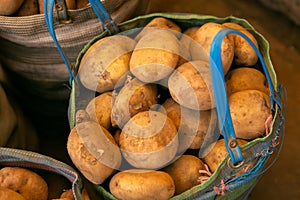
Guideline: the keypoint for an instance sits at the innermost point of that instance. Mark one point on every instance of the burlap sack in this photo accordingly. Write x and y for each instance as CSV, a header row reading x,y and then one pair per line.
x,y
37,71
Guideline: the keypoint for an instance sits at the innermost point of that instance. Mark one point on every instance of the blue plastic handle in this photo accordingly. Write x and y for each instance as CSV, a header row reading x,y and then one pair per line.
x,y
101,13
219,88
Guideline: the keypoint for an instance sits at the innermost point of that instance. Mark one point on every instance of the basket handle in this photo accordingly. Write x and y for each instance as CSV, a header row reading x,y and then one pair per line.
x,y
220,96
99,10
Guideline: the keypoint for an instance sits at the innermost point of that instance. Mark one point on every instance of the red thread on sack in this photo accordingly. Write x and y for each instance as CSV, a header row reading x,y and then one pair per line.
x,y
223,188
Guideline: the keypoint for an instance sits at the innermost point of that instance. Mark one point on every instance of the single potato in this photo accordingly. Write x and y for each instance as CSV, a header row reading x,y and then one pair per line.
x,y
135,96
106,63
204,36
8,194
29,7
99,109
244,54
27,183
190,86
93,151
159,23
185,172
246,78
194,127
137,184
149,140
155,56
9,7
249,110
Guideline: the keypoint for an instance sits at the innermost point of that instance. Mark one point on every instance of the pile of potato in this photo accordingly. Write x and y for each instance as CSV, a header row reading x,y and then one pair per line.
x,y
153,107
33,7
17,183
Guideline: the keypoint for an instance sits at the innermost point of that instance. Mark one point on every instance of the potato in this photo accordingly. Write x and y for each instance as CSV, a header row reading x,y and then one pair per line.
x,y
68,194
204,36
81,3
244,54
137,184
246,78
27,183
249,110
149,140
159,23
93,151
185,172
105,63
217,153
194,127
155,56
134,97
29,7
185,42
9,7
99,109
190,86
8,194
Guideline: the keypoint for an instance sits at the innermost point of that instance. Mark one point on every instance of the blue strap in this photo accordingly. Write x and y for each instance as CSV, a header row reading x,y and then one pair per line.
x,y
48,12
219,88
101,13
104,17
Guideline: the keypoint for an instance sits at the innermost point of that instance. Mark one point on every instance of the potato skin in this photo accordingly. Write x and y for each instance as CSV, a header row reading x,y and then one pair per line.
x,y
149,140
249,109
193,126
99,109
95,169
205,35
105,63
190,86
136,184
155,56
135,96
26,182
246,78
244,54
29,7
8,194
185,172
159,23
9,7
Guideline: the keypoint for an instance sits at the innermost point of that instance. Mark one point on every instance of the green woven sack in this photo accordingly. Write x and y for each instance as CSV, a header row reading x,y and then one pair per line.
x,y
224,182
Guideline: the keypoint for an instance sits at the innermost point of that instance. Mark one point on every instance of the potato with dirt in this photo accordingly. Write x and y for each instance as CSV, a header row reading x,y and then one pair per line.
x,y
159,23
93,151
149,140
105,64
246,78
204,36
138,184
9,7
135,96
190,85
24,181
249,110
244,54
99,109
185,171
194,127
155,56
